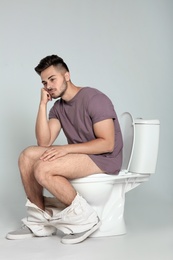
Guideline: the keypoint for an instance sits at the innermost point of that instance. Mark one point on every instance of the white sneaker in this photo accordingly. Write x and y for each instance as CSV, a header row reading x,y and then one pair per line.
x,y
79,237
23,232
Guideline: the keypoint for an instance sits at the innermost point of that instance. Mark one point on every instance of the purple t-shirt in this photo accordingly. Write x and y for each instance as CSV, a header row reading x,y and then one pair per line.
x,y
77,118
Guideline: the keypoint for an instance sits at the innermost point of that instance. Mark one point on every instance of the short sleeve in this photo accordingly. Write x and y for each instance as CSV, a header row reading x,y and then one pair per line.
x,y
100,108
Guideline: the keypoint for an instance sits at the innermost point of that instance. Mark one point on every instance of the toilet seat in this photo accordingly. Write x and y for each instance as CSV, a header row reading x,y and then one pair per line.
x,y
103,177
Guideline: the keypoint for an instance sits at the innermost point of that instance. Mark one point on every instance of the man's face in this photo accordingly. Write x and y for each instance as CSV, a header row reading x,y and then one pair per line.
x,y
54,81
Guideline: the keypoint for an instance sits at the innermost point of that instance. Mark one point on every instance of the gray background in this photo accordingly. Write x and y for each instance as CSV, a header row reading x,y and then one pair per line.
x,y
122,47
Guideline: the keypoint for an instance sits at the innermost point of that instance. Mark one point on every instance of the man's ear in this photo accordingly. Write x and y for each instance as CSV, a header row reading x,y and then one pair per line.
x,y
67,76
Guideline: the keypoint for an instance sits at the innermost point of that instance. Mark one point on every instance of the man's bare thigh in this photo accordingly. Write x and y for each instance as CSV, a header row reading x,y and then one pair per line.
x,y
70,166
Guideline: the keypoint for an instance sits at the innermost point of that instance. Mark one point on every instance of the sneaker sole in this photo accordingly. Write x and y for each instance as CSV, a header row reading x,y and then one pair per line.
x,y
79,237
17,237
25,236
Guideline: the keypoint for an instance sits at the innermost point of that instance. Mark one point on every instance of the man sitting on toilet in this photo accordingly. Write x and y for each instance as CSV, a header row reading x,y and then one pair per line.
x,y
90,124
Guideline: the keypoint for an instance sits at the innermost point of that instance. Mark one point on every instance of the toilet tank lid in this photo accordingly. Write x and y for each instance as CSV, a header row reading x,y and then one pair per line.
x,y
146,122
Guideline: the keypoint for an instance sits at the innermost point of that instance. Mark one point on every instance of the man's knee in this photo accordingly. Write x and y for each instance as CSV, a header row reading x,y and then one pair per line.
x,y
41,173
30,153
27,158
24,154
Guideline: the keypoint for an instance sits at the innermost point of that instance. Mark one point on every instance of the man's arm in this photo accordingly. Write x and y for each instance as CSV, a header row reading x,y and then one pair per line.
x,y
46,131
104,143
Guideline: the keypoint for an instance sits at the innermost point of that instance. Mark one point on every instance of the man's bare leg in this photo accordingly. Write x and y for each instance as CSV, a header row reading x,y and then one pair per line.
x,y
33,190
53,175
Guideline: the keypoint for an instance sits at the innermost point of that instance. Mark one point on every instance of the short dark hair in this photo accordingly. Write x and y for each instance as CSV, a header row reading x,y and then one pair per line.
x,y
50,60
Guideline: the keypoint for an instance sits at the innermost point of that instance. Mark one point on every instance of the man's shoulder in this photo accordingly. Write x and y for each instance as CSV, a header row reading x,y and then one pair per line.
x,y
90,91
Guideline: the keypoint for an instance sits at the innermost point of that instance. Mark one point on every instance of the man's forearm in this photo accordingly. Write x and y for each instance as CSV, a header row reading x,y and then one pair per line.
x,y
42,128
97,146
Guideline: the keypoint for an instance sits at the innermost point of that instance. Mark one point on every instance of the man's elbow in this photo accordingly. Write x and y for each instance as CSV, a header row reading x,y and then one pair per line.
x,y
110,147
43,144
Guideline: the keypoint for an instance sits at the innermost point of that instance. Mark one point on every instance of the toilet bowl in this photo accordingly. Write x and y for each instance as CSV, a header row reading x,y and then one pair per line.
x,y
106,193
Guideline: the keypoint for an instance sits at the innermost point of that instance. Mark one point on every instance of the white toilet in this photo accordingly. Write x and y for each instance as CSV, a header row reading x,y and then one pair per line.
x,y
106,193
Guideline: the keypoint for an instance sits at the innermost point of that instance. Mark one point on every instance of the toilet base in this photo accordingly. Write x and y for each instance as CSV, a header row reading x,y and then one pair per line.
x,y
107,231
108,200
112,215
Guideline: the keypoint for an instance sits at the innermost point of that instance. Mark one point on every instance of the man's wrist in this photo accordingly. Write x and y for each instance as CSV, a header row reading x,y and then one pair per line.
x,y
42,104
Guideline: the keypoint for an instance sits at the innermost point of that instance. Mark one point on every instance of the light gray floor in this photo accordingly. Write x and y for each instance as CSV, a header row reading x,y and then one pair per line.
x,y
149,236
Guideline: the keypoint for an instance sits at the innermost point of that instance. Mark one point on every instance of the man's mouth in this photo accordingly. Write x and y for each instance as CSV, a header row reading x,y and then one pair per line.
x,y
51,92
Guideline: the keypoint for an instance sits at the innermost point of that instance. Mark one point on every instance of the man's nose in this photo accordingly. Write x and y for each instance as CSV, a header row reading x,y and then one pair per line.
x,y
49,88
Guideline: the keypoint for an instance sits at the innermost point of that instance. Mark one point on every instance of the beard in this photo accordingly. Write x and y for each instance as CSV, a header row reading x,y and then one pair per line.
x,y
62,91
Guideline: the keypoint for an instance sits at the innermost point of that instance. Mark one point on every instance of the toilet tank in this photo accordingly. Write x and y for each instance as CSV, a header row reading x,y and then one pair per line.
x,y
146,144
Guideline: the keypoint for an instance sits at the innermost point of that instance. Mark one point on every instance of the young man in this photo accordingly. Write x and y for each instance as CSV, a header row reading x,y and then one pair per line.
x,y
91,127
